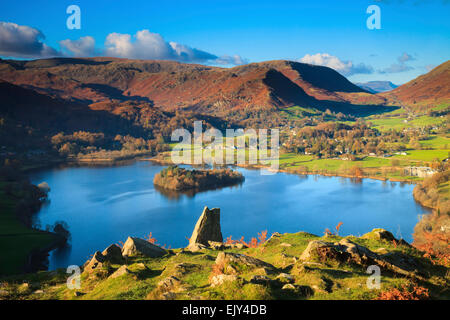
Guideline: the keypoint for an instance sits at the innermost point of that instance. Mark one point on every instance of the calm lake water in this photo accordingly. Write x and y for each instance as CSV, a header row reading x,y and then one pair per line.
x,y
105,205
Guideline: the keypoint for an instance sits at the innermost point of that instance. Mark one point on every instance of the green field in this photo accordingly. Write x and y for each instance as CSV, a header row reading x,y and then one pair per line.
x,y
16,240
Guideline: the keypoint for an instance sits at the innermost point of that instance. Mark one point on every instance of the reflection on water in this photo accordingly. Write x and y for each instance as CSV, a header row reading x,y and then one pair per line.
x,y
176,195
105,205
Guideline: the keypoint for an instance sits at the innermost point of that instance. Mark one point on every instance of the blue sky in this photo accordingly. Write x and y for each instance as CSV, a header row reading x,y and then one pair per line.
x,y
414,35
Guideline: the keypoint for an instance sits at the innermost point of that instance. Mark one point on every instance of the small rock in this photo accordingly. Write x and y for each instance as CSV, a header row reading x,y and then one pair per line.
x,y
264,271
194,247
215,245
221,278
225,258
141,247
169,295
120,272
284,244
379,234
238,246
258,279
286,278
288,286
169,284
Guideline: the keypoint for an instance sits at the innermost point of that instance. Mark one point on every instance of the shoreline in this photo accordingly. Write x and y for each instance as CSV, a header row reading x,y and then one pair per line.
x,y
297,172
99,162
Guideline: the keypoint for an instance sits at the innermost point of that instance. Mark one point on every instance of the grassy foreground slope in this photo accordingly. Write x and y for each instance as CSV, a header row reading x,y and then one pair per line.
x,y
182,274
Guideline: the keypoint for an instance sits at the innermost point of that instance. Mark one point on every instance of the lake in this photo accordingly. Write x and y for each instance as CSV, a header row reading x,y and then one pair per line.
x,y
105,205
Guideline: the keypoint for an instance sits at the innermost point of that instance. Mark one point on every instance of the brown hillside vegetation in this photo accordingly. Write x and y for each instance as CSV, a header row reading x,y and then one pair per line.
x,y
174,86
429,89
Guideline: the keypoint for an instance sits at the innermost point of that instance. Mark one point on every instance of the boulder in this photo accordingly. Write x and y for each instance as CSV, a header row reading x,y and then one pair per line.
x,y
236,259
207,228
96,263
215,245
222,278
120,272
320,251
288,286
285,278
305,291
260,279
171,283
195,247
113,254
140,247
345,251
379,234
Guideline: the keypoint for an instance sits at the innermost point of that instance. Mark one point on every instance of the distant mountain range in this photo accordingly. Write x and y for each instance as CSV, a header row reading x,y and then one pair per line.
x,y
377,86
430,89
172,86
111,92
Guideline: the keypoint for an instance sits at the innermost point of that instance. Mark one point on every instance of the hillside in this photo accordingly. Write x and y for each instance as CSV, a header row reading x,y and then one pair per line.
x,y
377,86
286,266
171,86
428,90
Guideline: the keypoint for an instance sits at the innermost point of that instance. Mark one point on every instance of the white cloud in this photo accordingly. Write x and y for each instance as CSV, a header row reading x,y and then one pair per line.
x,y
396,68
233,60
83,47
405,57
148,45
347,68
23,41
401,66
26,42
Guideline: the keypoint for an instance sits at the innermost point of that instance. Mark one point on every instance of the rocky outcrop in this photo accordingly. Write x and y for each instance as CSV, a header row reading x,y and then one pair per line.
x,y
140,247
345,251
111,255
207,228
96,263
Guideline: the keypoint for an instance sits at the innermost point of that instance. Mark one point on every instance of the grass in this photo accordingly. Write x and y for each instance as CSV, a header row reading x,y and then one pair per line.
x,y
16,240
400,123
328,281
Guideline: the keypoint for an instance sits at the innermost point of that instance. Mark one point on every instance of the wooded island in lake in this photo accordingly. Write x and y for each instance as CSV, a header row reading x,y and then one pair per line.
x,y
180,179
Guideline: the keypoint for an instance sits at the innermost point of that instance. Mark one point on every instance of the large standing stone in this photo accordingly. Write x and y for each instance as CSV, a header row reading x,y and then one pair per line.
x,y
140,247
207,228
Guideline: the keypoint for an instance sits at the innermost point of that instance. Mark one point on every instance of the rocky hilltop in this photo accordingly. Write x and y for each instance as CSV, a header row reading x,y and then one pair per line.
x,y
286,266
170,86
